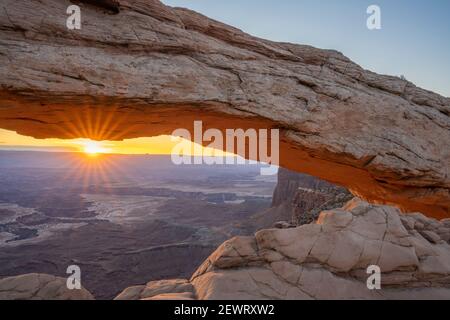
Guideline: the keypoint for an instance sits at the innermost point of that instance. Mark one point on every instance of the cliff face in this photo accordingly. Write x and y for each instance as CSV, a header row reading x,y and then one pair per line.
x,y
304,196
136,63
290,182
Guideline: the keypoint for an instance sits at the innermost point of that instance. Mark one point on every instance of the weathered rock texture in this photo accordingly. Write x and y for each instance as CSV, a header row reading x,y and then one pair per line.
x,y
139,68
306,196
36,286
178,289
297,199
329,259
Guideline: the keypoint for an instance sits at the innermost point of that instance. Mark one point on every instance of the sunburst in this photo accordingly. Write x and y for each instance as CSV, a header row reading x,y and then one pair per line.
x,y
94,148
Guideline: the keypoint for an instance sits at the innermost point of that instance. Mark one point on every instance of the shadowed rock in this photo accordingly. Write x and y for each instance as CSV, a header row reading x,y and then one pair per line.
x,y
178,289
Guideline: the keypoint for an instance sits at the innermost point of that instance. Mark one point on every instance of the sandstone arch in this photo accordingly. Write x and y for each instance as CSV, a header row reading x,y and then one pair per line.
x,y
144,63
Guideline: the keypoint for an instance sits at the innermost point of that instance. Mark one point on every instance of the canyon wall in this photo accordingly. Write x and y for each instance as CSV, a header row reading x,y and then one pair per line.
x,y
298,199
327,259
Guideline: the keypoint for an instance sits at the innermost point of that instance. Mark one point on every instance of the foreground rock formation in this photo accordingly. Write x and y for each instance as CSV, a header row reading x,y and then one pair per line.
x,y
136,64
325,260
177,289
36,286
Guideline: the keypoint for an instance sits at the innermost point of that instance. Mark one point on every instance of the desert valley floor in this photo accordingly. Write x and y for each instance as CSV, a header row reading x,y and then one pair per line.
x,y
126,220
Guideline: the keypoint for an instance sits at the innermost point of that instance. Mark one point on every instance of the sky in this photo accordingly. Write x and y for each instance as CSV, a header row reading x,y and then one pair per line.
x,y
10,140
414,41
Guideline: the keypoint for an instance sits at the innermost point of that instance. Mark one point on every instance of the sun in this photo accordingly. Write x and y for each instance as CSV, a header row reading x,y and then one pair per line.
x,y
93,148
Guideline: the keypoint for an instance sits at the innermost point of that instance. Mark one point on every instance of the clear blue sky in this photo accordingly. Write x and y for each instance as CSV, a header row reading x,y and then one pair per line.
x,y
414,40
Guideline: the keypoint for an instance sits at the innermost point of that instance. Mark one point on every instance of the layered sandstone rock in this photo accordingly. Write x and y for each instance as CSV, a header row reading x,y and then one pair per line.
x,y
298,199
139,68
329,259
36,286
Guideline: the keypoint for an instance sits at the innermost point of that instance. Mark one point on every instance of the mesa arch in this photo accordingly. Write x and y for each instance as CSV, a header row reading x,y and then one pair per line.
x,y
140,68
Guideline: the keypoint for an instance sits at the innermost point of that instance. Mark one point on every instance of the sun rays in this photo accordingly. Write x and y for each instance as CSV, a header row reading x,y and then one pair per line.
x,y
99,129
94,148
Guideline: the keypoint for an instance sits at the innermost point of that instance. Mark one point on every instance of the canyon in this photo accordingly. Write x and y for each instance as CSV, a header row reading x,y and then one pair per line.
x,y
140,69
327,259
121,219
147,62
148,220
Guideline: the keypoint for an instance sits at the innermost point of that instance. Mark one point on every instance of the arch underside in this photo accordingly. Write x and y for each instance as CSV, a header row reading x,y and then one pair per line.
x,y
149,69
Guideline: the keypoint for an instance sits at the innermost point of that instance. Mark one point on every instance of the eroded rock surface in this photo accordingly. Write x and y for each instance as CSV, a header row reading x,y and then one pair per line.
x,y
329,259
306,197
36,286
297,199
140,68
